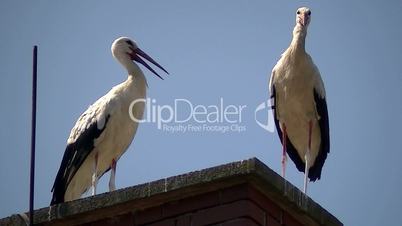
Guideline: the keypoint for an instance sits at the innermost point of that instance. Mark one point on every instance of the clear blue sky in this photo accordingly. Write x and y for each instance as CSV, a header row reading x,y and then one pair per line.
x,y
212,49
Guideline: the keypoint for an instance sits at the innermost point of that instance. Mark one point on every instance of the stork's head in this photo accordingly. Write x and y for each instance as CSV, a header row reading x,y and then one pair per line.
x,y
126,50
303,17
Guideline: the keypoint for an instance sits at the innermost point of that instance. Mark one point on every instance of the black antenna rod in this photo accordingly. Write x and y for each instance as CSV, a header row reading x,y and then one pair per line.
x,y
33,135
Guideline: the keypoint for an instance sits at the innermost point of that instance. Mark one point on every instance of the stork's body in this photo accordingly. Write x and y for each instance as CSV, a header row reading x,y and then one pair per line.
x,y
116,128
104,131
300,113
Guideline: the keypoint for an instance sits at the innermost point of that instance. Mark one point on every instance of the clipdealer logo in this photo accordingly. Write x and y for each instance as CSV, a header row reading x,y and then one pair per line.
x,y
183,116
267,108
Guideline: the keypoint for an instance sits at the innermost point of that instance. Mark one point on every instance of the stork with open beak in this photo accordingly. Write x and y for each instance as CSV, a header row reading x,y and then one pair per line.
x,y
105,130
300,107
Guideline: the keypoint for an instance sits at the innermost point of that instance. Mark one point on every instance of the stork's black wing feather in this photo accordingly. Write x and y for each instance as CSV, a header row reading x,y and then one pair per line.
x,y
321,106
74,155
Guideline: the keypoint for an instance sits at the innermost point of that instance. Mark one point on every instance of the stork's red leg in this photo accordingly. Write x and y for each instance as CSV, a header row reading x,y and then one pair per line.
x,y
310,128
307,156
284,138
94,177
112,185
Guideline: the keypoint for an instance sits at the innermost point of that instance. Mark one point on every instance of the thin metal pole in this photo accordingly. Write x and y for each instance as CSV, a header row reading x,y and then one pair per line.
x,y
33,135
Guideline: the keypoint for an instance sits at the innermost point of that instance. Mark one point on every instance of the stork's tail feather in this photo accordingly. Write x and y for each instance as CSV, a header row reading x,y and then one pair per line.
x,y
57,199
58,193
315,170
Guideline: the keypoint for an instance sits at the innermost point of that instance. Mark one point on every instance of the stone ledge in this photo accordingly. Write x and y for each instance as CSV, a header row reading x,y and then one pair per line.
x,y
143,196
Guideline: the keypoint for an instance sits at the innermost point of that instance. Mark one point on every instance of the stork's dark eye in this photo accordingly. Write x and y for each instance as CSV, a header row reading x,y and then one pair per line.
x,y
130,42
309,13
298,12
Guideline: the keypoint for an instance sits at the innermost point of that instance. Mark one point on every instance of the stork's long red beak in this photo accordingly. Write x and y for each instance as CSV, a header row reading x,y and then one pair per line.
x,y
136,57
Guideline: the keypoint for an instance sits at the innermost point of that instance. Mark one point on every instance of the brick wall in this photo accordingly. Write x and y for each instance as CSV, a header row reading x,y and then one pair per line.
x,y
235,194
241,205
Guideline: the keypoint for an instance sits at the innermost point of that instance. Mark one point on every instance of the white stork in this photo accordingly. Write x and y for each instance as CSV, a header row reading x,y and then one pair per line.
x,y
105,130
300,109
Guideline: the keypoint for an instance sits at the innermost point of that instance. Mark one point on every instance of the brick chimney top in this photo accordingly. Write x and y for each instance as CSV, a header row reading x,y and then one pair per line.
x,y
239,193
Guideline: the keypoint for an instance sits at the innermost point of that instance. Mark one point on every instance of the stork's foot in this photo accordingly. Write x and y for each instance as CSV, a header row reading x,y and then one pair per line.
x,y
284,156
94,185
94,176
307,157
284,161
306,172
112,184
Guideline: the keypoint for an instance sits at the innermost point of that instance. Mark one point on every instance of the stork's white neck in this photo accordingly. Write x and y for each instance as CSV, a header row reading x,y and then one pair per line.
x,y
299,38
131,67
133,70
